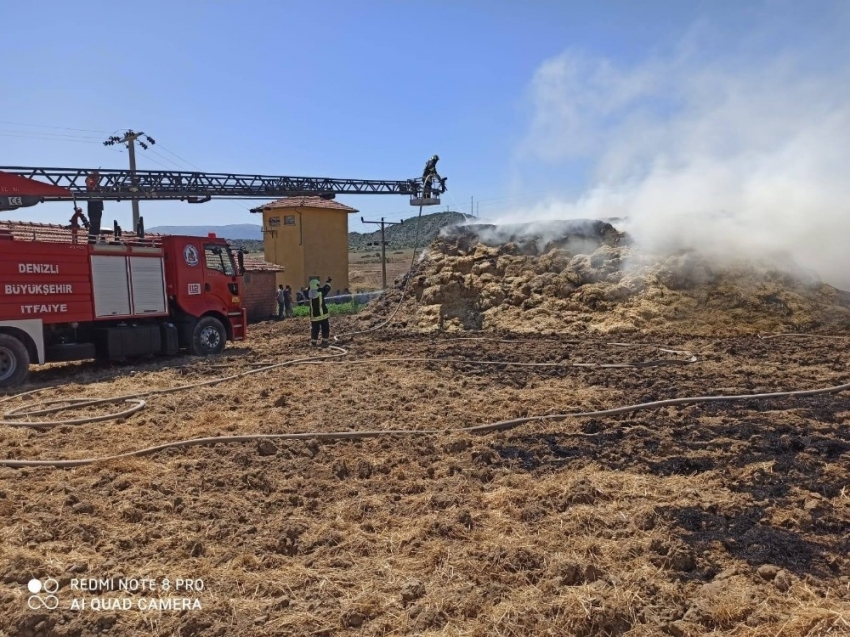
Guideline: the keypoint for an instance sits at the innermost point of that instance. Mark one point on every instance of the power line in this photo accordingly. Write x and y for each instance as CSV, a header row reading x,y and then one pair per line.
x,y
179,157
187,162
519,196
58,135
39,137
159,163
170,161
80,130
112,133
504,204
242,207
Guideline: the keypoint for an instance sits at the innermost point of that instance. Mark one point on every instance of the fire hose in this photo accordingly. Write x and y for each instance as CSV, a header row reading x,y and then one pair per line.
x,y
137,402
13,418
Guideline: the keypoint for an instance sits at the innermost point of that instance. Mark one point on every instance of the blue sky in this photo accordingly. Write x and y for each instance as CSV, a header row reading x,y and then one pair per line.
x,y
342,89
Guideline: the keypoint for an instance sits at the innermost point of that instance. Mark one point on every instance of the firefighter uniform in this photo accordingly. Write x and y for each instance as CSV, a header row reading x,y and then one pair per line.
x,y
319,314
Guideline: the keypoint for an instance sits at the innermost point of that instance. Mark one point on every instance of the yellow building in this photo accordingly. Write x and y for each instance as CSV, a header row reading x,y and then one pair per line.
x,y
308,236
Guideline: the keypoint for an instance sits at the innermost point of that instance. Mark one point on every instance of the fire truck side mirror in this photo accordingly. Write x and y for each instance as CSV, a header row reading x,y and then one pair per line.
x,y
240,260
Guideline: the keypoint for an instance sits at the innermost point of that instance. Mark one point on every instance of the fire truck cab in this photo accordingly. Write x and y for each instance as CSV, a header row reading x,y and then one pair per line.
x,y
114,299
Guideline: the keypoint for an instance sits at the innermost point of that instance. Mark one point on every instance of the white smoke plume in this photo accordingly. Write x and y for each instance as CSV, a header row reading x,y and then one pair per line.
x,y
743,157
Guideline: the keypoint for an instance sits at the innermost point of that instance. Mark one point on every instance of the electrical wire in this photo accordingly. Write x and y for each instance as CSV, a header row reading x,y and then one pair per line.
x,y
47,139
51,135
183,168
178,157
81,130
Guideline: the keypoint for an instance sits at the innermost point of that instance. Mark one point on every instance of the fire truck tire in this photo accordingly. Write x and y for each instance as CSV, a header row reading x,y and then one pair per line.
x,y
14,361
208,337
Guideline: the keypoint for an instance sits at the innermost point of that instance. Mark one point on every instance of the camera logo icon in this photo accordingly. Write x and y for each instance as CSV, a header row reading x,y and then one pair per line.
x,y
48,601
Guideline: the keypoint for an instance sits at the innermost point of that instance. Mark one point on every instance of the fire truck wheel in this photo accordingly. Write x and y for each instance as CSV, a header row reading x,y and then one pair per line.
x,y
14,361
208,337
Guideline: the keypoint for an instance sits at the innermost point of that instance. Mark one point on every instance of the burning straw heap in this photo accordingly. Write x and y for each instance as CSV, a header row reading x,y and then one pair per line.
x,y
585,276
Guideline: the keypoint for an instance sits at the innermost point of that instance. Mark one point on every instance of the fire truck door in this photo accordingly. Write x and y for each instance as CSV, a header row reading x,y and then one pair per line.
x,y
219,275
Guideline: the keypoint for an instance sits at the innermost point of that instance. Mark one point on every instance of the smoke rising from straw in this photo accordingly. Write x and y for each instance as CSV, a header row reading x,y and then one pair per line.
x,y
731,158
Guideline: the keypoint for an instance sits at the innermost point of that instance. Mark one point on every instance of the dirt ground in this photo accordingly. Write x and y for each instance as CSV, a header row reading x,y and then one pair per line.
x,y
722,519
725,518
364,268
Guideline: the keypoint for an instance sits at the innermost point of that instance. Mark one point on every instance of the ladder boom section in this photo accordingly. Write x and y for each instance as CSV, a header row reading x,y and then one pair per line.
x,y
105,184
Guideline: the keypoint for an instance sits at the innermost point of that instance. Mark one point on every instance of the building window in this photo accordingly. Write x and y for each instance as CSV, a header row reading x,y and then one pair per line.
x,y
274,222
289,220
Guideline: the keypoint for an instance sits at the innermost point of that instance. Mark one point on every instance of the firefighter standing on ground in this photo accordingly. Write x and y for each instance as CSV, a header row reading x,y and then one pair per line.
x,y
319,311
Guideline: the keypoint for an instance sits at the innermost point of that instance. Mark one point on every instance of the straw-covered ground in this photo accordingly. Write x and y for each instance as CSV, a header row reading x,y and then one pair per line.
x,y
721,518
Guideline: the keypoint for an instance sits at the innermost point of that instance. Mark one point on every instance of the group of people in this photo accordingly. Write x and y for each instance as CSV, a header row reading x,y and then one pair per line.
x,y
316,298
284,302
302,296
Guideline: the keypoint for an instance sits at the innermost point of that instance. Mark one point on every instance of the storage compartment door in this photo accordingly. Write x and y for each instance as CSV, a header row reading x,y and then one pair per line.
x,y
148,277
111,284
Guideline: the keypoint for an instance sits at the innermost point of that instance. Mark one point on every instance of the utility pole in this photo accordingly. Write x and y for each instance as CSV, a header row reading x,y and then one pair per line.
x,y
130,138
383,247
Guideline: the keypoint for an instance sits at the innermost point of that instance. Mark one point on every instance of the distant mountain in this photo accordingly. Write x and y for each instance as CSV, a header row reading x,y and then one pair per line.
x,y
405,235
233,231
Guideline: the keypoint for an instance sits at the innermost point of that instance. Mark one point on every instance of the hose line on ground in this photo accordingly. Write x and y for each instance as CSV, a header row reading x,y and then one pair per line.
x,y
13,418
359,435
66,404
767,337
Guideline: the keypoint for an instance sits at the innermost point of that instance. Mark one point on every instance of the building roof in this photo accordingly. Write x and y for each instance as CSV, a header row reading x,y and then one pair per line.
x,y
305,202
258,264
55,233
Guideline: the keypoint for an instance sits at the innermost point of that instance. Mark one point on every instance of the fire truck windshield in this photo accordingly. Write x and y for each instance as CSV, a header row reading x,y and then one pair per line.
x,y
219,258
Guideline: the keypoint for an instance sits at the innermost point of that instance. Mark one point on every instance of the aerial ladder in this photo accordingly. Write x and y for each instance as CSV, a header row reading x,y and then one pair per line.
x,y
28,186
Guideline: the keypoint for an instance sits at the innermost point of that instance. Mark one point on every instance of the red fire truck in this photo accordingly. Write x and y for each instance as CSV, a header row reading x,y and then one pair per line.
x,y
115,299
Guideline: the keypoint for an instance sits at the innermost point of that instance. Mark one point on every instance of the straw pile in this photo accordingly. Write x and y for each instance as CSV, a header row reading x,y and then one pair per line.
x,y
585,277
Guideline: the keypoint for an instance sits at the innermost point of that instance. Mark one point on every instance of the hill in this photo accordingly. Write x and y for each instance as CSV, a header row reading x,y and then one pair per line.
x,y
427,228
232,231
